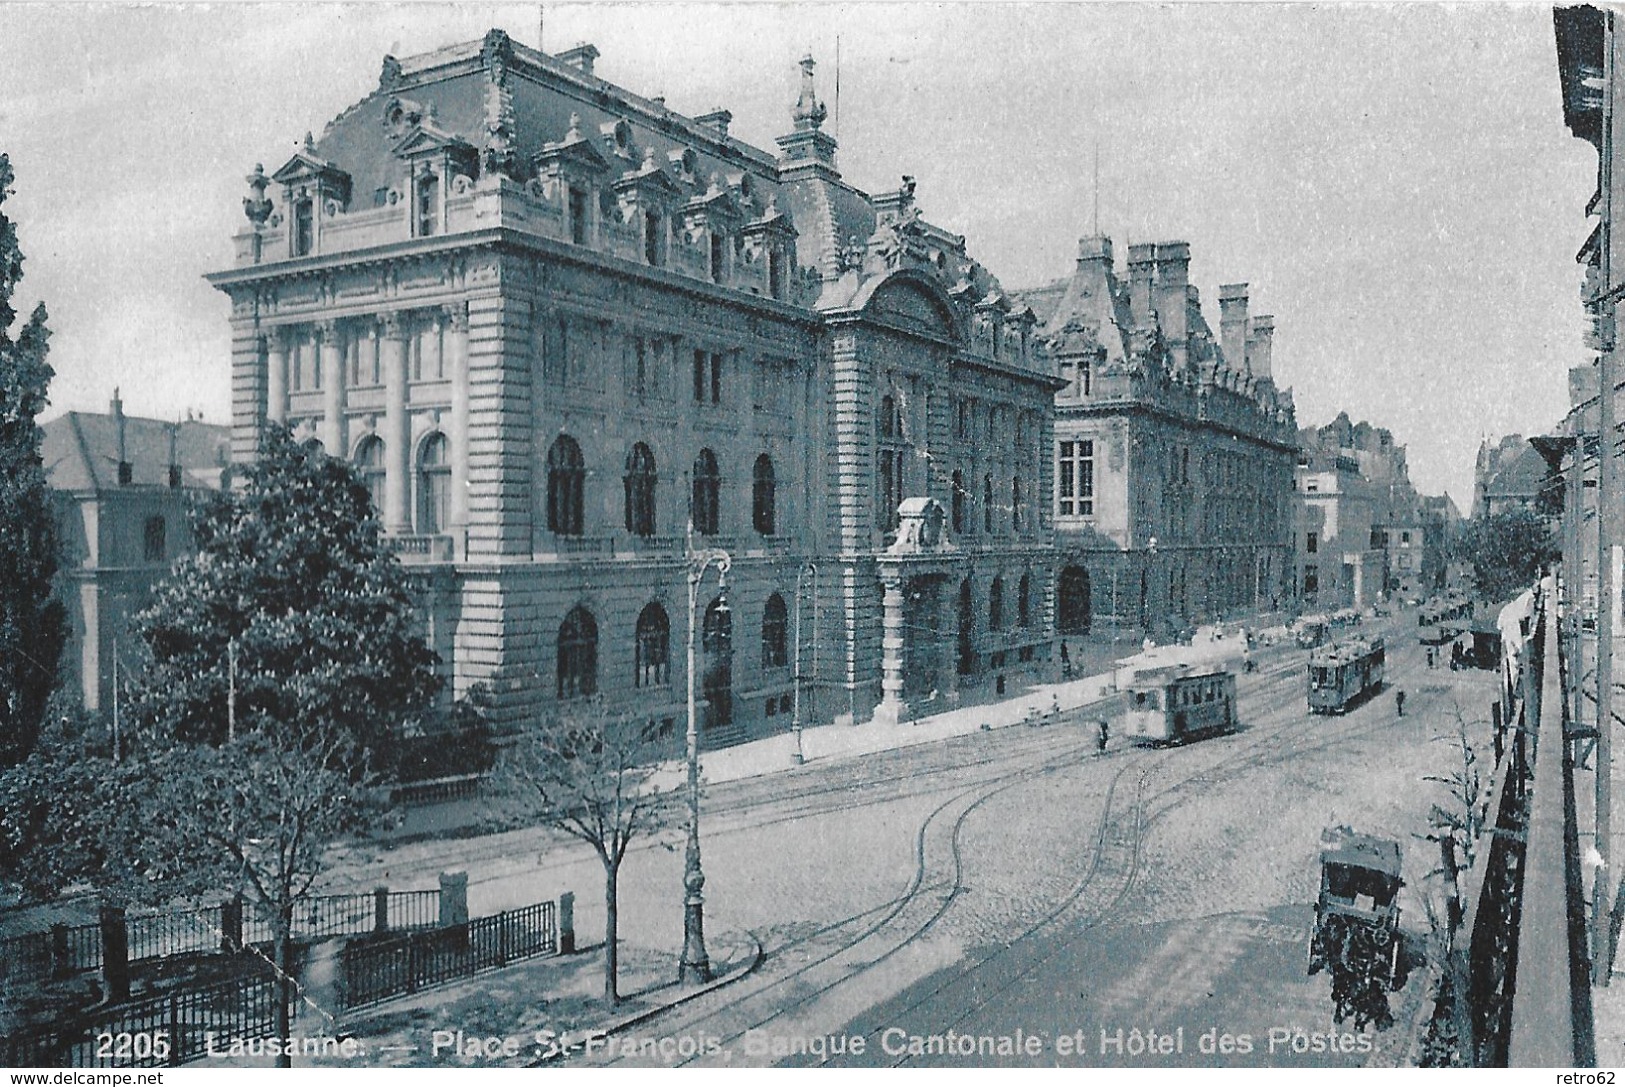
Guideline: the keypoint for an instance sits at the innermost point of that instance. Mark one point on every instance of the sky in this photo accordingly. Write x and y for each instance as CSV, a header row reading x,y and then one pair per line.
x,y
1395,182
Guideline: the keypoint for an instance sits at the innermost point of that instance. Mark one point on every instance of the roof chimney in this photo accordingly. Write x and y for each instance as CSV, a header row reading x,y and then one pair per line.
x,y
1094,249
1233,326
1140,271
1258,358
118,429
1173,269
581,57
174,460
718,119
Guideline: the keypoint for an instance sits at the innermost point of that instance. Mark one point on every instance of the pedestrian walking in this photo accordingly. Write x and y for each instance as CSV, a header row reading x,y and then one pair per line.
x,y
1105,735
1399,702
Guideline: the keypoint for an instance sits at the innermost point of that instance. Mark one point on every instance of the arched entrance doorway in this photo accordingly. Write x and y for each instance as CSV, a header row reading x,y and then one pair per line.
x,y
1074,604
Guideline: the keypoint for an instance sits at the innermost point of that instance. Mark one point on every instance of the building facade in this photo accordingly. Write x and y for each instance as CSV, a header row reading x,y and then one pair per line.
x,y
571,338
121,489
1339,563
1173,449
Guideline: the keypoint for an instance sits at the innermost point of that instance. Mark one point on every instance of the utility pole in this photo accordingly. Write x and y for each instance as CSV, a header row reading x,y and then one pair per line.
x,y
1608,487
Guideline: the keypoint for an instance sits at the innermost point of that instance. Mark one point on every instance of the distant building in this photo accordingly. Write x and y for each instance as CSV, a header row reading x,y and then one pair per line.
x,y
121,488
571,336
1507,476
1340,560
1173,449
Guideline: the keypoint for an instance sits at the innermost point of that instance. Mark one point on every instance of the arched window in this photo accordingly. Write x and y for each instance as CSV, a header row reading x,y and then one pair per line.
x,y
1024,601
640,491
959,503
434,486
428,204
1015,504
369,459
1073,602
304,227
652,660
762,495
566,481
775,651
717,680
995,604
152,539
987,504
578,654
707,486
967,630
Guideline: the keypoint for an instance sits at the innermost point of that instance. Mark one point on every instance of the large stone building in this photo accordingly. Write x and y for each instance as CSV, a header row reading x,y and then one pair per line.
x,y
1508,475
1174,449
558,325
120,488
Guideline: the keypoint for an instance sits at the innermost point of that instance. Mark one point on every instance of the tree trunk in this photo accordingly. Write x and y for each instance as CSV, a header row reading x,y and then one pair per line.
x,y
284,983
612,956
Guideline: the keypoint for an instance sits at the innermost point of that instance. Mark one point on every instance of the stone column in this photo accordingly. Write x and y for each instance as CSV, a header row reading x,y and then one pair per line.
x,y
247,388
456,349
891,708
276,378
332,389
397,432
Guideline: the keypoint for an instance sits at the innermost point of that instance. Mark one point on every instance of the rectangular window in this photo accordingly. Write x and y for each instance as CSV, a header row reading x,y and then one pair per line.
x,y
1076,470
654,239
304,227
716,258
1311,580
578,216
428,206
716,379
1404,537
1311,542
640,376
699,377
775,273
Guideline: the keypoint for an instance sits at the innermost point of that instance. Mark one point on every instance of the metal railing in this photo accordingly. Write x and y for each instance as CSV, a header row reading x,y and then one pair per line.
x,y
372,972
168,1029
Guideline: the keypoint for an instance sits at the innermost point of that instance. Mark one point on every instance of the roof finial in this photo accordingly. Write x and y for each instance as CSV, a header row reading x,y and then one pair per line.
x,y
310,143
809,111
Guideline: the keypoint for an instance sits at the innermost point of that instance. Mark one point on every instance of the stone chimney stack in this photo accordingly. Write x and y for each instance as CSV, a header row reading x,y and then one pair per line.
x,y
1095,249
581,57
1258,358
118,430
174,459
1141,269
1233,326
718,119
1173,272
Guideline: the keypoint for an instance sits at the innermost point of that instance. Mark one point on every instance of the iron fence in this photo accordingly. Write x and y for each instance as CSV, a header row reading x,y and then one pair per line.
x,y
174,932
373,972
61,949
166,1029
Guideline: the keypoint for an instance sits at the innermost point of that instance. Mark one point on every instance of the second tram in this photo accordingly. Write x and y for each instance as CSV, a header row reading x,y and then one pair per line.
x,y
1180,702
1343,673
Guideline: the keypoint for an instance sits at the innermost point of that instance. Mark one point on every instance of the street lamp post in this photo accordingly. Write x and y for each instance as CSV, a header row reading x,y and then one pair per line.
x,y
799,756
695,966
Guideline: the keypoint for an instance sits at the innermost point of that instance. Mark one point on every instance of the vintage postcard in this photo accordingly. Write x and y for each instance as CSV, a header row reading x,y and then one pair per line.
x,y
907,535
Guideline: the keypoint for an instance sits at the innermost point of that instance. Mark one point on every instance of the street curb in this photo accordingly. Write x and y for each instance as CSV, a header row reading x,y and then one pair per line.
x,y
756,959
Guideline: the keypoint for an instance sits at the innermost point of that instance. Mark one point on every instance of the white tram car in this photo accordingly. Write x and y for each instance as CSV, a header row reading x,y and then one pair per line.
x,y
1180,702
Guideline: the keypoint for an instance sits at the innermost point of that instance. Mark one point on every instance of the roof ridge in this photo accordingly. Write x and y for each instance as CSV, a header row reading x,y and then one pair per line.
x,y
84,450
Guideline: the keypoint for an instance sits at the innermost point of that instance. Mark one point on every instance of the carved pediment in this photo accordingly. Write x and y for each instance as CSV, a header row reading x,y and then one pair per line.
x,y
305,169
921,529
429,139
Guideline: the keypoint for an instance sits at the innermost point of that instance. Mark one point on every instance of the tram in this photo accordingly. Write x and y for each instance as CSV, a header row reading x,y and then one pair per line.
x,y
1180,702
1344,673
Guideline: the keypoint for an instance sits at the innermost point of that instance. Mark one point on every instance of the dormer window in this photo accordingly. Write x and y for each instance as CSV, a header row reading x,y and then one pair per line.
x,y
654,239
304,226
428,205
718,253
775,273
578,216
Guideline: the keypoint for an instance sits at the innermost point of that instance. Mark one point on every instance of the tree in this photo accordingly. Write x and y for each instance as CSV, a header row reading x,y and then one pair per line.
x,y
291,599
33,625
589,773
1507,551
257,813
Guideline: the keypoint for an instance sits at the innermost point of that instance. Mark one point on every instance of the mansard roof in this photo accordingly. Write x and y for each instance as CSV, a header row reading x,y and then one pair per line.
x,y
80,451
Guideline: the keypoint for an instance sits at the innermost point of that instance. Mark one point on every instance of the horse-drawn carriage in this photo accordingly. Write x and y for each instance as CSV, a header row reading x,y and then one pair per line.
x,y
1357,914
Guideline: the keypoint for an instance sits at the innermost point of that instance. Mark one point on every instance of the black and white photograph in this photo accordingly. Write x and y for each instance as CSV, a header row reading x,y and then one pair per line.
x,y
664,535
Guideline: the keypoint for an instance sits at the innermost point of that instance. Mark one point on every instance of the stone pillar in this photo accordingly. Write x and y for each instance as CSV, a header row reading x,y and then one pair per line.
x,y
332,389
456,349
115,954
231,924
276,376
380,909
397,431
247,389
567,923
891,708
453,898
